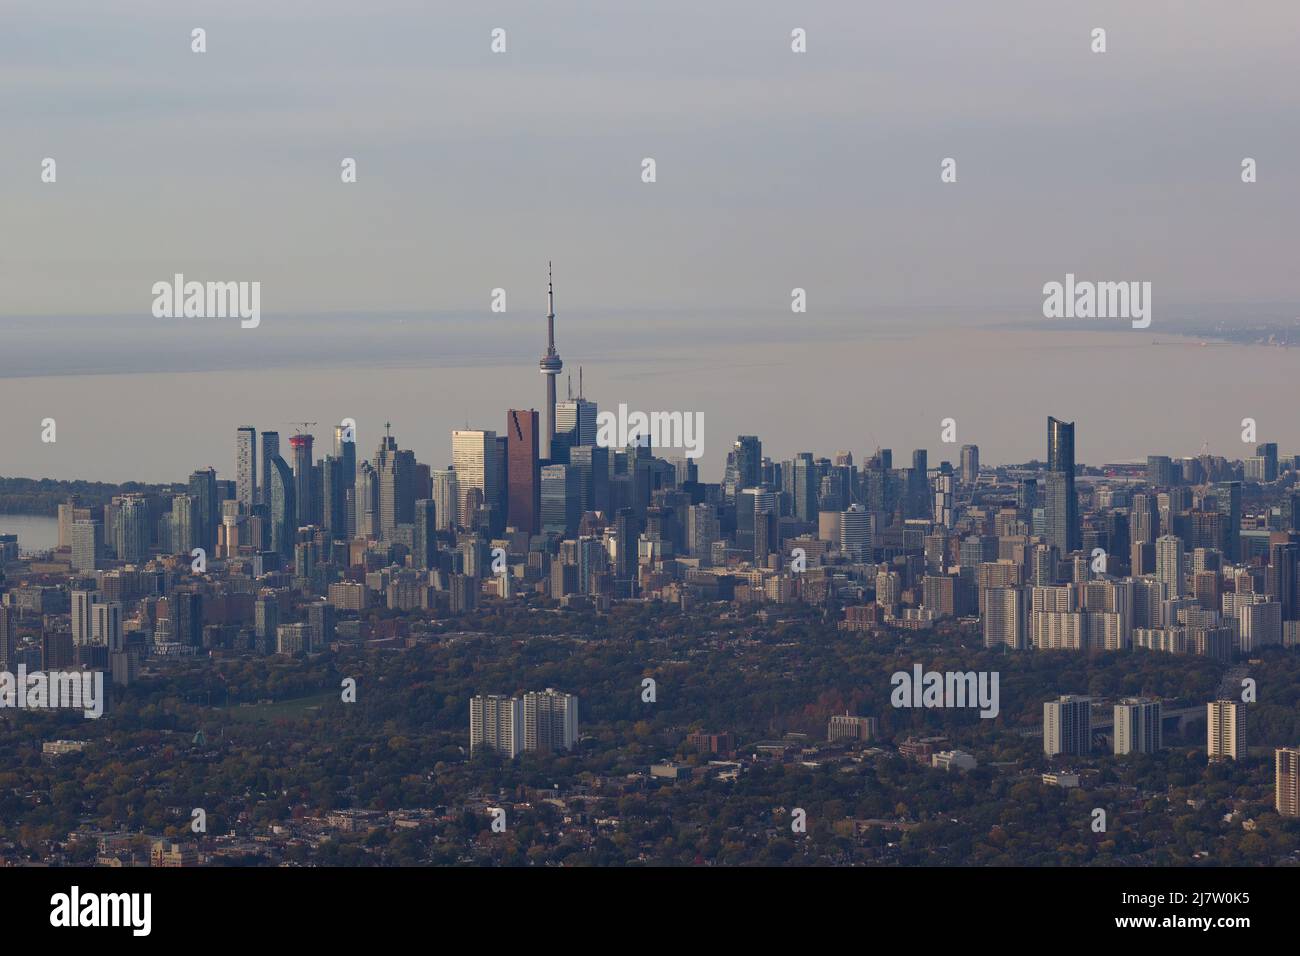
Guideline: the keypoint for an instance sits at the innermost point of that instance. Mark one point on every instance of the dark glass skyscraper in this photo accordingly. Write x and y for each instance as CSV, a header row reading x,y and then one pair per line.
x,y
425,551
744,465
270,449
591,463
284,509
806,481
302,466
1062,505
203,489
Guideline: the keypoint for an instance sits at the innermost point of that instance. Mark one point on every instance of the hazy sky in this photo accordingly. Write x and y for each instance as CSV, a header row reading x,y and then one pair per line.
x,y
775,170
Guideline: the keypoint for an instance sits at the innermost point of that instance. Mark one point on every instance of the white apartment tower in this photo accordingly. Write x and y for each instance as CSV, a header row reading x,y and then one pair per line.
x,y
1137,726
497,722
550,721
1221,734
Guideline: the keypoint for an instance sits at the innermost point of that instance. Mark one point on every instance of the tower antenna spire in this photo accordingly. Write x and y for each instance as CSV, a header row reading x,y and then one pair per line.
x,y
549,366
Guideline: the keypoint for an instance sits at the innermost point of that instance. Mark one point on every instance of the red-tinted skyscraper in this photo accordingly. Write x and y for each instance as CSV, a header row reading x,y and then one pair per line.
x,y
523,473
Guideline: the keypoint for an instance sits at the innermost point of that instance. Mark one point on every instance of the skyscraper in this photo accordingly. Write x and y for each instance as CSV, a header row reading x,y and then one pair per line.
x,y
446,498
1229,497
1169,563
918,485
522,471
1282,577
395,469
345,450
550,365
425,552
1062,502
203,489
577,418
87,545
284,507
473,455
550,721
246,468
1067,726
1138,726
1004,617
9,637
970,464
184,524
497,722
944,512
627,529
591,462
270,449
744,465
83,616
302,490
560,495
806,483
856,533
1287,781
132,533
1221,730
106,628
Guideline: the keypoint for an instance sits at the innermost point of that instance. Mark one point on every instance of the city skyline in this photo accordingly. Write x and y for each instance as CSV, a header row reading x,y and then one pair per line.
x,y
913,481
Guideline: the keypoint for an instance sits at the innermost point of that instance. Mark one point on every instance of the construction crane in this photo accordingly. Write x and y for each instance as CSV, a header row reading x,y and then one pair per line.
x,y
300,427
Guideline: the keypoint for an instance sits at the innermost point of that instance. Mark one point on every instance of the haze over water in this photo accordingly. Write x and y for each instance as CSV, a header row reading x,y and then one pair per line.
x,y
151,400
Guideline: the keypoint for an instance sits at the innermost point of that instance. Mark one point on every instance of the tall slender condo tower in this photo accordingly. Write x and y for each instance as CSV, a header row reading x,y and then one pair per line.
x,y
550,366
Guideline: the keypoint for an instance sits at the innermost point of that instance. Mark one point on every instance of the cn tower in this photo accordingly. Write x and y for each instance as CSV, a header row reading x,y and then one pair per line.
x,y
550,366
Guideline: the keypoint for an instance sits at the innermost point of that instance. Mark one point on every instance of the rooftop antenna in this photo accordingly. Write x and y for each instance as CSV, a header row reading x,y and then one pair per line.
x,y
580,396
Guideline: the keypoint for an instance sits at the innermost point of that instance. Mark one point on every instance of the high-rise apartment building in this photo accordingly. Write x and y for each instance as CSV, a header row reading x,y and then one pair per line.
x,y
270,450
1169,564
970,464
1221,732
446,498
1138,726
83,616
132,533
87,545
1287,781
550,721
498,722
1004,617
1067,726
246,467
1062,504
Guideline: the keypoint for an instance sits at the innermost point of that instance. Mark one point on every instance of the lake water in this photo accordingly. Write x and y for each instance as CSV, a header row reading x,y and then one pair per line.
x,y
153,409
35,532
